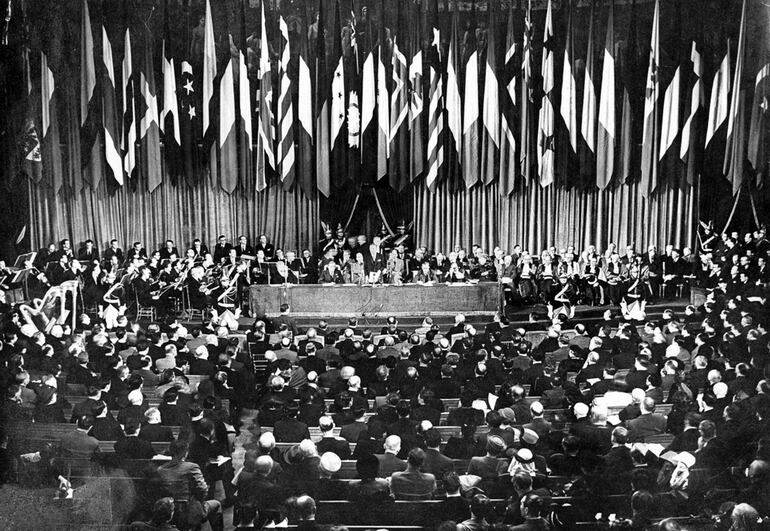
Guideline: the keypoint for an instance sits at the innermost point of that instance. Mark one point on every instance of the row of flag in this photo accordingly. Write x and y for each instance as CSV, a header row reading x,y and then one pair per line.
x,y
398,106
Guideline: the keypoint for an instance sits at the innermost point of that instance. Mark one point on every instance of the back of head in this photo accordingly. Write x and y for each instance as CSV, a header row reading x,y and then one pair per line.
x,y
416,457
367,466
305,507
480,506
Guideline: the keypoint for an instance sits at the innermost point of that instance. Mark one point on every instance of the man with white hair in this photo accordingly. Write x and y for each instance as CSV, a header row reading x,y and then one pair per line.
x,y
201,365
459,326
647,424
329,441
634,409
153,431
389,462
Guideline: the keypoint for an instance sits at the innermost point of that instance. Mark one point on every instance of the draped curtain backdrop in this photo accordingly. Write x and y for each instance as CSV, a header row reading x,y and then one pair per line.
x,y
537,217
180,213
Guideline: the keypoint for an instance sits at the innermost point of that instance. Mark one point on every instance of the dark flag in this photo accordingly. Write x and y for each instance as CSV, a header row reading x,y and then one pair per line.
x,y
435,114
228,134
90,154
149,129
305,161
285,155
454,110
29,143
691,146
605,141
338,133
353,89
587,144
51,150
671,118
568,106
545,132
368,133
628,152
758,151
190,123
490,115
265,126
110,113
416,148
735,150
169,115
210,129
471,140
245,109
383,101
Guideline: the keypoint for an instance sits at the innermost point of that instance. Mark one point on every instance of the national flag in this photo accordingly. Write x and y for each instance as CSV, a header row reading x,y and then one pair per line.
x,y
605,142
758,135
630,136
735,147
128,121
51,150
399,162
650,144
29,141
228,134
190,123
352,68
305,162
526,148
471,140
587,144
285,156
89,102
338,133
149,129
691,145
507,81
670,119
416,148
322,91
368,133
545,143
383,101
210,128
265,126
435,115
245,110
568,103
454,111
719,101
490,117
110,112
169,115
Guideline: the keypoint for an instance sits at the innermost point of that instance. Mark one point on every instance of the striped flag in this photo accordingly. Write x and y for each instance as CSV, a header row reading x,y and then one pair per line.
x,y
605,144
587,147
209,74
149,129
527,160
398,162
508,111
322,91
470,154
305,162
228,134
670,118
454,112
435,115
368,108
169,115
691,146
629,131
719,101
285,156
245,110
416,148
51,150
490,155
758,135
90,152
128,129
735,147
545,142
110,113
650,142
568,104
265,126
190,123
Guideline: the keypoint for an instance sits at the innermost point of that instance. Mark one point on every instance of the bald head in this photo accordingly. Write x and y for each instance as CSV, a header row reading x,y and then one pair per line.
x,y
392,444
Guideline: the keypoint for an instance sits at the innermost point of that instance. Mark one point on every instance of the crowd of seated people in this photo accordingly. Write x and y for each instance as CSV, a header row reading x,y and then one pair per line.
x,y
482,425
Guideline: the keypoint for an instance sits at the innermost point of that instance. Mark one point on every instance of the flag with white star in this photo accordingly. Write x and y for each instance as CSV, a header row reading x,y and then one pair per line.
x,y
169,115
189,122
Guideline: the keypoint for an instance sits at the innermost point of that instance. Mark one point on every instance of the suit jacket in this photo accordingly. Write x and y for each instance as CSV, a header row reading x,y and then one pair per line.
x,y
646,425
687,441
437,463
412,485
156,433
389,464
133,448
487,467
290,430
79,444
335,445
351,432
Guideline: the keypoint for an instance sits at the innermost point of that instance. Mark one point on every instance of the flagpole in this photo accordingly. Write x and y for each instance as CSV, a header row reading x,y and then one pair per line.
x,y
735,207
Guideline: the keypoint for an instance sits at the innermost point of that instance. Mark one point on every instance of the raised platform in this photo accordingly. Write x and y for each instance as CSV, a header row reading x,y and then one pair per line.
x,y
315,301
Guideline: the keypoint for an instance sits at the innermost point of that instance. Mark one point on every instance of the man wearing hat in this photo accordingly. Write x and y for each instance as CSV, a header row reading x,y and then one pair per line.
x,y
289,429
328,488
521,482
492,464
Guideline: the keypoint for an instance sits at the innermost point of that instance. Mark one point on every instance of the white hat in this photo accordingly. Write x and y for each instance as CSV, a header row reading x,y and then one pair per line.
x,y
330,462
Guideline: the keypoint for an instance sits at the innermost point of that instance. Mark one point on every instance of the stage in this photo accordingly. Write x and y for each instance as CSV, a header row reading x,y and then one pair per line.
x,y
312,300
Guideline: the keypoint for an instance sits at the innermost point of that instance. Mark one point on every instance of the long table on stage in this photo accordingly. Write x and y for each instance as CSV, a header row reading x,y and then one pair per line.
x,y
315,300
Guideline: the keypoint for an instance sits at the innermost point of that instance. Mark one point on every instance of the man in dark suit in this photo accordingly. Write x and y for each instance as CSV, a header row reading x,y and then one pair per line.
x,y
154,431
113,250
351,431
201,365
412,483
286,319
136,251
435,462
647,424
168,250
79,443
329,442
88,253
131,446
492,464
243,247
221,249
687,441
289,429
538,424
389,463
712,452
